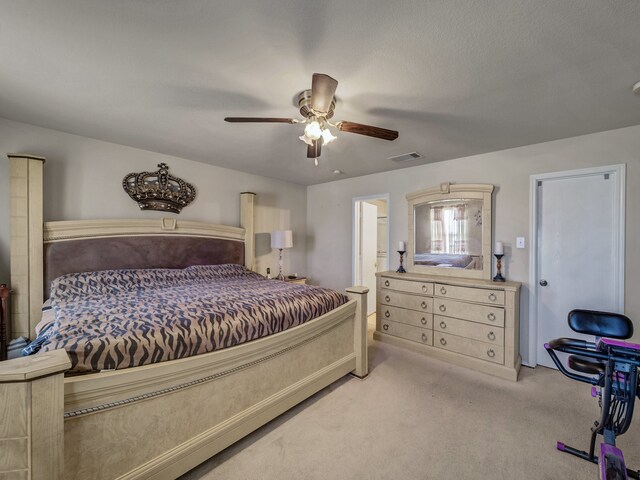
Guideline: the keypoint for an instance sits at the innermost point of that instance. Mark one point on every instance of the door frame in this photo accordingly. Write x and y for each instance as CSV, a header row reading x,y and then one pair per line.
x,y
620,172
355,231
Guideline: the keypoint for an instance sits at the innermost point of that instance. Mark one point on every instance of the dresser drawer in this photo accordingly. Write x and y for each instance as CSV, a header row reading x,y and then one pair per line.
x,y
404,300
463,328
409,332
466,346
469,311
409,286
410,317
482,295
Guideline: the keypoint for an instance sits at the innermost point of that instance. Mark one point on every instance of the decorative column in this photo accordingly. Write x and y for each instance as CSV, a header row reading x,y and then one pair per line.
x,y
359,293
26,223
247,200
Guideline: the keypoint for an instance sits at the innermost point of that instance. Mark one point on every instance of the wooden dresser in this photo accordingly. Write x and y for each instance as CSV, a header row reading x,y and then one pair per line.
x,y
472,323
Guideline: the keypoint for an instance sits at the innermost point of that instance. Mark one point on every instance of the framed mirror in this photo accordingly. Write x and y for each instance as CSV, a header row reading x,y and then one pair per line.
x,y
450,230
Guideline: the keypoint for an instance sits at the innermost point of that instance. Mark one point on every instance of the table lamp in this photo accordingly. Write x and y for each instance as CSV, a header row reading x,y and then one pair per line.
x,y
281,239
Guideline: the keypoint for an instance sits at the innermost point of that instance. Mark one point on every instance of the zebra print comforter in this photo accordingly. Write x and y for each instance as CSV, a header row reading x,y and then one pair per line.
x,y
125,318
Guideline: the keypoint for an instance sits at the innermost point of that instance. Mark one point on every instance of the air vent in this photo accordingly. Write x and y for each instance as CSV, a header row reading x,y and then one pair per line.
x,y
406,157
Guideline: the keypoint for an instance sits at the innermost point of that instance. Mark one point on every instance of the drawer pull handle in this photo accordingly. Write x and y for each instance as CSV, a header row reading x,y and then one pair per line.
x,y
423,321
443,341
424,337
443,290
491,336
385,327
387,298
491,316
442,308
423,304
492,297
424,288
491,353
387,314
443,325
386,283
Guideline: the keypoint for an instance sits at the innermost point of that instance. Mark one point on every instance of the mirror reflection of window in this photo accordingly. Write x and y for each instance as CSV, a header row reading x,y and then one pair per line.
x,y
449,227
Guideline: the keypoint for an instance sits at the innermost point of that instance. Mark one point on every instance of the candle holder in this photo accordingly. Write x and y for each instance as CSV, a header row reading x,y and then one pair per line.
x,y
499,277
401,268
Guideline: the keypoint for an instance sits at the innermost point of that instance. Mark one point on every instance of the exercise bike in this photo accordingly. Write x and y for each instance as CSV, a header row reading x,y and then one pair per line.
x,y
611,367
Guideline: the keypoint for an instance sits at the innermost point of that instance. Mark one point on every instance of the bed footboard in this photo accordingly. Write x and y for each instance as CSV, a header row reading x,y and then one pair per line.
x,y
172,415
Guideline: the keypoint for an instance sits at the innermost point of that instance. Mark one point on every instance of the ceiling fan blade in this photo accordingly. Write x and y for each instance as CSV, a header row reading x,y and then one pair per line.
x,y
314,151
323,87
368,130
259,120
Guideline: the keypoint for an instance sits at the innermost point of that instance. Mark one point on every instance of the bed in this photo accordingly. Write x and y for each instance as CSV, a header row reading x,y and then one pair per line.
x,y
125,318
160,419
444,260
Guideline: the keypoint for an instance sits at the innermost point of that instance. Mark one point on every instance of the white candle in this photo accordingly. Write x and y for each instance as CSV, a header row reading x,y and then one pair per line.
x,y
401,247
499,250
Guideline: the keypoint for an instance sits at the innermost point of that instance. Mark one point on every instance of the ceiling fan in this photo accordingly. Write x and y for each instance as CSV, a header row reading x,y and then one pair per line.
x,y
316,106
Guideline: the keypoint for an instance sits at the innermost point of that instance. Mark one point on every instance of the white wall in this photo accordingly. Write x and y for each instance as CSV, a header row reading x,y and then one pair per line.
x,y
329,215
83,180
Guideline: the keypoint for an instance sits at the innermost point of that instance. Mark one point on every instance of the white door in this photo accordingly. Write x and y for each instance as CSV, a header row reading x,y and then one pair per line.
x,y
578,257
369,251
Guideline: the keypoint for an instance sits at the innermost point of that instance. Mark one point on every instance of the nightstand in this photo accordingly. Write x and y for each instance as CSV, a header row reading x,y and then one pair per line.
x,y
298,280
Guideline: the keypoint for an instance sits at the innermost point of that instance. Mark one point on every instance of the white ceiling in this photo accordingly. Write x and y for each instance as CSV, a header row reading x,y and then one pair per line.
x,y
454,77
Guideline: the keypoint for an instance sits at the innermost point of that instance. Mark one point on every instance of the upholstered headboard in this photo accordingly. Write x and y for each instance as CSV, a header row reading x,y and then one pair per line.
x,y
110,253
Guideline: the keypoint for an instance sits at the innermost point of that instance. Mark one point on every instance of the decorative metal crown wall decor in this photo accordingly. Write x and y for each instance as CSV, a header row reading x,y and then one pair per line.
x,y
158,190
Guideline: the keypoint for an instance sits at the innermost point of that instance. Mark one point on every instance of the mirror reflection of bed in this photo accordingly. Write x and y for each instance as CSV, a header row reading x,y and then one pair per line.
x,y
443,260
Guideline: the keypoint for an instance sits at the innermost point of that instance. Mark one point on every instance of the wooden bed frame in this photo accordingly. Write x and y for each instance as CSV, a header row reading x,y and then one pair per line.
x,y
155,421
5,293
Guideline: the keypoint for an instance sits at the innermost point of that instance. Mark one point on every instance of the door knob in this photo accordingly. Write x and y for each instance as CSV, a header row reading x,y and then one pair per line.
x,y
543,283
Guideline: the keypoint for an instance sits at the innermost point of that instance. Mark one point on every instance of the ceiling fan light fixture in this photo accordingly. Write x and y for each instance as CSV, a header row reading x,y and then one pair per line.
x,y
313,130
306,139
327,136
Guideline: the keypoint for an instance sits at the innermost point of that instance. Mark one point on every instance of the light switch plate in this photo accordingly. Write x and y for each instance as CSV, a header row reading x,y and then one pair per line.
x,y
520,242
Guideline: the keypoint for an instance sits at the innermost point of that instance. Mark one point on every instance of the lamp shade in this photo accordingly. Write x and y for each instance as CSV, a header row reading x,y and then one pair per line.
x,y
282,239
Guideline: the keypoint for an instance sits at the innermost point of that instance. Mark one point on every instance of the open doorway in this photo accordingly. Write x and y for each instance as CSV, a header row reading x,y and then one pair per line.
x,y
370,240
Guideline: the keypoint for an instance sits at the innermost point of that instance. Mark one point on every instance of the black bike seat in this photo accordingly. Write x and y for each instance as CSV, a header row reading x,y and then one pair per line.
x,y
587,365
600,324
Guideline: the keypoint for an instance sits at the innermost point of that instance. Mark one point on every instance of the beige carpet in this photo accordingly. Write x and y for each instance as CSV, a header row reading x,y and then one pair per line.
x,y
419,418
